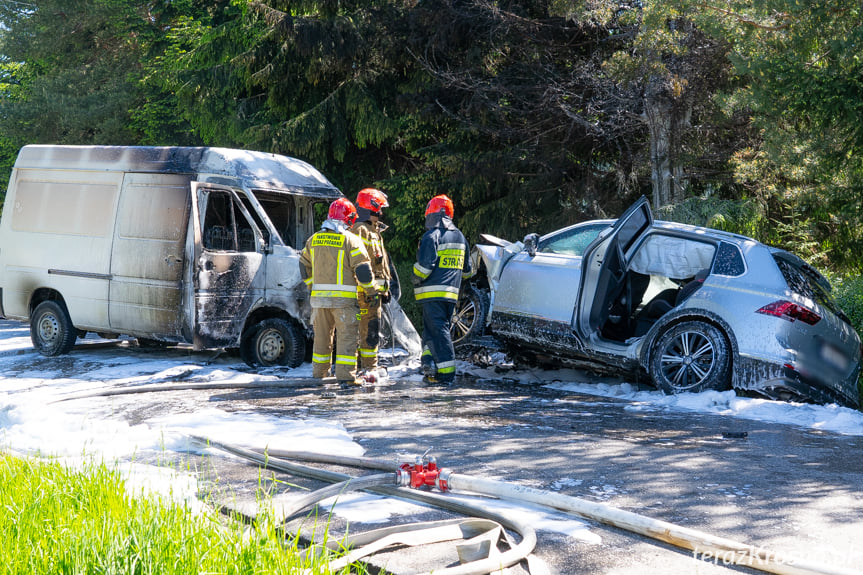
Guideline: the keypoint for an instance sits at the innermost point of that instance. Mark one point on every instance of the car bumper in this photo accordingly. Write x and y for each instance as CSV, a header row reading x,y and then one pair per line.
x,y
786,382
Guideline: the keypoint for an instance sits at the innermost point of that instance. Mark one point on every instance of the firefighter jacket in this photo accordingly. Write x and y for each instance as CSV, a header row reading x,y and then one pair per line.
x,y
370,233
442,261
333,264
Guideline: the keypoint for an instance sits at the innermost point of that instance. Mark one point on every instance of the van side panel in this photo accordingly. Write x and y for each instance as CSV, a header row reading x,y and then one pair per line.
x,y
57,235
147,260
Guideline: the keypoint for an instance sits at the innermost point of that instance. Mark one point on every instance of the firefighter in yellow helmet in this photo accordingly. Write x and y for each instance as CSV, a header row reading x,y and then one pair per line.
x,y
335,264
370,203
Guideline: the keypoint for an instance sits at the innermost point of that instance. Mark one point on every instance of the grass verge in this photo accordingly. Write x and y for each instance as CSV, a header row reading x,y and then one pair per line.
x,y
57,520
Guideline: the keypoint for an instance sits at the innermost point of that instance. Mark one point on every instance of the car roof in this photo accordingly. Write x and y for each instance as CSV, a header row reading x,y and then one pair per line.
x,y
257,170
664,225
700,230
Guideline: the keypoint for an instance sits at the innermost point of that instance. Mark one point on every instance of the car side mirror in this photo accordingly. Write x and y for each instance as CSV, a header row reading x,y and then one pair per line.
x,y
531,242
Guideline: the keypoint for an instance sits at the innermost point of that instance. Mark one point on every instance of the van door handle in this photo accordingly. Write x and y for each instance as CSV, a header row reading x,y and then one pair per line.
x,y
172,260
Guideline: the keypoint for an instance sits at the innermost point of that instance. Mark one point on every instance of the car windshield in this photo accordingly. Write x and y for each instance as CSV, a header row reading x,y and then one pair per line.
x,y
572,241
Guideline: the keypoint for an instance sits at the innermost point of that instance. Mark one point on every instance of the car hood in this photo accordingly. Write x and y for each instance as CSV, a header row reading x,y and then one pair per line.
x,y
495,253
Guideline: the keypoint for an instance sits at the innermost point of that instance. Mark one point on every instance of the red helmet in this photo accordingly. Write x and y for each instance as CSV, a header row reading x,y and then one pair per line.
x,y
343,210
440,203
372,200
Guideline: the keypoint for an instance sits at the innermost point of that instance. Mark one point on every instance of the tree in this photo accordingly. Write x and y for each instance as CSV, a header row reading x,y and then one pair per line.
x,y
671,69
318,81
516,120
78,76
804,91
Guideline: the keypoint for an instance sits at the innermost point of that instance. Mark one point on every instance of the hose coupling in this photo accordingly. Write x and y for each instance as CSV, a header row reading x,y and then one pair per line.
x,y
422,473
442,481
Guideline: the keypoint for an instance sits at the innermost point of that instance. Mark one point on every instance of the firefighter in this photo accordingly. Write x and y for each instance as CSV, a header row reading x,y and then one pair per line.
x,y
442,262
335,263
370,202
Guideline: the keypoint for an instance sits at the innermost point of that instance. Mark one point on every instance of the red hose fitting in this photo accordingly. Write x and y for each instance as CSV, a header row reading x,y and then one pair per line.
x,y
423,474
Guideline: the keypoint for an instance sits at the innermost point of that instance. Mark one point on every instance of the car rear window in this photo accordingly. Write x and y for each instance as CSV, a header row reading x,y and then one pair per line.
x,y
805,280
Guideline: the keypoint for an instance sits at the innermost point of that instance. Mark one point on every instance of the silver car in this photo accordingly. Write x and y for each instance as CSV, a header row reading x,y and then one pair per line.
x,y
692,308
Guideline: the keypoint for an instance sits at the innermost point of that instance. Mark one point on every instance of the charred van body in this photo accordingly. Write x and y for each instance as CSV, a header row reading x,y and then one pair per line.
x,y
165,244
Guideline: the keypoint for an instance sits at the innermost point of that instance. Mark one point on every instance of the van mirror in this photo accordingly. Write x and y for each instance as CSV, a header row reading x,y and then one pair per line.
x,y
264,246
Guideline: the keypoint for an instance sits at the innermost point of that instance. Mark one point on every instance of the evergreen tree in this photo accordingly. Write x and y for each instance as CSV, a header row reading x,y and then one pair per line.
x,y
78,76
804,91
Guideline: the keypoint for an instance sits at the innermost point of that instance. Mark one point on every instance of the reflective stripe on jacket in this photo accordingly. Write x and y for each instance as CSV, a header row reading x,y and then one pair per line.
x,y
370,233
331,259
443,260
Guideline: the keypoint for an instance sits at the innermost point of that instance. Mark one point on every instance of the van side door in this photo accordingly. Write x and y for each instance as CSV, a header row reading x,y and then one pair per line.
x,y
147,256
228,270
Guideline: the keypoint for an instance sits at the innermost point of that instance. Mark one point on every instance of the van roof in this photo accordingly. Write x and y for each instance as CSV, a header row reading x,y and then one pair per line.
x,y
258,170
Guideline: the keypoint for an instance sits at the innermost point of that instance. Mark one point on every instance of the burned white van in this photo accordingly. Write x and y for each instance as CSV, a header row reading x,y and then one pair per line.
x,y
165,244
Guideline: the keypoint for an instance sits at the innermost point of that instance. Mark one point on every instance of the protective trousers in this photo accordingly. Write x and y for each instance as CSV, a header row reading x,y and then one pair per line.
x,y
370,330
343,321
437,339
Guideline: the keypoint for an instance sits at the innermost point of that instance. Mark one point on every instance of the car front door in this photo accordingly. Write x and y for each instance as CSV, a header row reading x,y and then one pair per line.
x,y
228,272
543,285
604,268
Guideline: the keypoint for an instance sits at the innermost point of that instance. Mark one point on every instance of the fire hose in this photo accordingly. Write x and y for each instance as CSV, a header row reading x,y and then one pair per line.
x,y
377,484
425,473
704,544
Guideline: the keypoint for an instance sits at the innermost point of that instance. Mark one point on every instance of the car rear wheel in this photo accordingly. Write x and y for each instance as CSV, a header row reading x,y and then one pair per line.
x,y
468,321
51,329
272,342
691,356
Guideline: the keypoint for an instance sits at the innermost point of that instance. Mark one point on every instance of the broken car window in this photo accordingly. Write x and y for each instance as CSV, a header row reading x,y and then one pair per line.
x,y
225,227
280,210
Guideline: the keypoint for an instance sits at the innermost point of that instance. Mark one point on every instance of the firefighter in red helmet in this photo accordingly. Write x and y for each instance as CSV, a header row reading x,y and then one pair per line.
x,y
442,262
370,203
336,266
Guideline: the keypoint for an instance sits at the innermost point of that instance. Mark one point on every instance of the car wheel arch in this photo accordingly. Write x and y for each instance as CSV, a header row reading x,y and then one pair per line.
x,y
673,318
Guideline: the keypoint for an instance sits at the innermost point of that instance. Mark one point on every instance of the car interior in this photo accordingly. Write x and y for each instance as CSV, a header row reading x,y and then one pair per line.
x,y
664,272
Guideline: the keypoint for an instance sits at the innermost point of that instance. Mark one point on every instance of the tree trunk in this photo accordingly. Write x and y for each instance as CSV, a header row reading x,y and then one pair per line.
x,y
666,121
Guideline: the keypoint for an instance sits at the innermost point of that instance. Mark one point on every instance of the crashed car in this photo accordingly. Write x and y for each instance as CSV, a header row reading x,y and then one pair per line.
x,y
691,308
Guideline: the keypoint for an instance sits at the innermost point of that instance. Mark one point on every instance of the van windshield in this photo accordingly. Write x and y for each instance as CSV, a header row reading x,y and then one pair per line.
x,y
280,211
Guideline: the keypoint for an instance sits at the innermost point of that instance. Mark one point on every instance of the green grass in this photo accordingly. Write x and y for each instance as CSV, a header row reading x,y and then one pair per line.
x,y
57,520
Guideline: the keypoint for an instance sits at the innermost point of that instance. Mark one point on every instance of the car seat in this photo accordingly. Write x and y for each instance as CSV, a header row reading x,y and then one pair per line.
x,y
620,325
692,286
666,300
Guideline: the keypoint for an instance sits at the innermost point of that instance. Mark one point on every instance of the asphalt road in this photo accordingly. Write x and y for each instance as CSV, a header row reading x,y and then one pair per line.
x,y
785,489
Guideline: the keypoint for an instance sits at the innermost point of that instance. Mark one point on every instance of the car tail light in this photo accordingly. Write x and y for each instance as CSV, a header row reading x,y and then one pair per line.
x,y
790,311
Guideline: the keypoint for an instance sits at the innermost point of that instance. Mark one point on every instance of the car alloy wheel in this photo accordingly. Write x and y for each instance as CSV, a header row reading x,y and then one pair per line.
x,y
689,357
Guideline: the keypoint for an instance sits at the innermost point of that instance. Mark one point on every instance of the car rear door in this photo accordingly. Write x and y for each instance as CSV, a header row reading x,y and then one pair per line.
x,y
604,268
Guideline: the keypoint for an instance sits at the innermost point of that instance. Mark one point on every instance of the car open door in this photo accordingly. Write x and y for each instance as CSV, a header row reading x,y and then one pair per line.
x,y
228,270
604,268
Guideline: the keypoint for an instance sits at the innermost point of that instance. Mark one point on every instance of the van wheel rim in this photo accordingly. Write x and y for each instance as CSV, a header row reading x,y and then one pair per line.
x,y
49,327
271,345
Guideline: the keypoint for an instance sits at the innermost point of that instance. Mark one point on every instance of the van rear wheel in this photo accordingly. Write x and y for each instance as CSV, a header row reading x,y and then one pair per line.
x,y
51,329
272,342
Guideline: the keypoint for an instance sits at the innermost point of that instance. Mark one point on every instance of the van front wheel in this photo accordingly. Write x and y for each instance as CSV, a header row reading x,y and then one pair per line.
x,y
272,342
51,329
